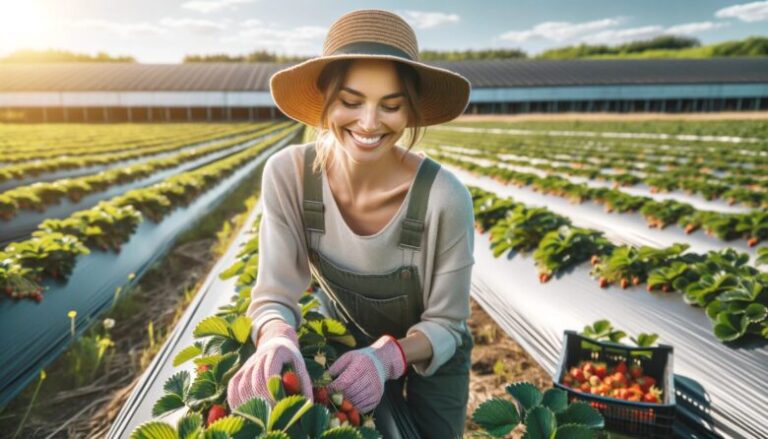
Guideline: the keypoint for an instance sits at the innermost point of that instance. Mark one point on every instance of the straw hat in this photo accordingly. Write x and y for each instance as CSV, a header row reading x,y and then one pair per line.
x,y
369,34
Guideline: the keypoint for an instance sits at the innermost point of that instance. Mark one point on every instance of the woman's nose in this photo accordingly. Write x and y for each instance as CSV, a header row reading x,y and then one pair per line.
x,y
369,121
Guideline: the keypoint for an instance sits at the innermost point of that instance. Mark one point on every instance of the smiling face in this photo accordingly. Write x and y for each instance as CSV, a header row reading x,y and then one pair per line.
x,y
369,115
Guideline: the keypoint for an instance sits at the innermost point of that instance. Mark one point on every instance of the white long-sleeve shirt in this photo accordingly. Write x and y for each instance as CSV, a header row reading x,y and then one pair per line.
x,y
444,261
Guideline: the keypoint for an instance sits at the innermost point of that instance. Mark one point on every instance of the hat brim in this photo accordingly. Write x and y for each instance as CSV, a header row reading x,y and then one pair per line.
x,y
444,95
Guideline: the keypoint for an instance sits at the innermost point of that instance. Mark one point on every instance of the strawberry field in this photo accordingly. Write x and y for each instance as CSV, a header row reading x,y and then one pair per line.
x,y
659,228
73,244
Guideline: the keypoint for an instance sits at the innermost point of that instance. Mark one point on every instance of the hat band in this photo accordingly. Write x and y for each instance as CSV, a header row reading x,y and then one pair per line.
x,y
371,48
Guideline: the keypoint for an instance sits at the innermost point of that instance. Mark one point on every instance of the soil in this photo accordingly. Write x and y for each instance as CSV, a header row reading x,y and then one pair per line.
x,y
494,349
552,117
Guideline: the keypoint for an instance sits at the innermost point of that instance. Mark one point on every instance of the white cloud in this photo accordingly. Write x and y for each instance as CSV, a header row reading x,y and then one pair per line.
x,y
122,29
301,40
207,6
253,22
560,31
750,12
194,25
693,28
618,36
429,20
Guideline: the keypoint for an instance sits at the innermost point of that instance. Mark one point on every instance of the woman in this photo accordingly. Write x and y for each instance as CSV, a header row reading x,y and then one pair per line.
x,y
387,233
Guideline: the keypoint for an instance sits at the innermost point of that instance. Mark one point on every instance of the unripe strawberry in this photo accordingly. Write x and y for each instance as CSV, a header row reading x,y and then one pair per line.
x,y
320,358
334,423
337,398
369,422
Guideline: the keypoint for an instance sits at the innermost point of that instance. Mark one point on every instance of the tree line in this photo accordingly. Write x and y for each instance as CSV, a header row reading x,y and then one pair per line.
x,y
664,46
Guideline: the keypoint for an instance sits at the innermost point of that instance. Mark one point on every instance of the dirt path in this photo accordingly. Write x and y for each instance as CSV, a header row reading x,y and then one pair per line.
x,y
497,360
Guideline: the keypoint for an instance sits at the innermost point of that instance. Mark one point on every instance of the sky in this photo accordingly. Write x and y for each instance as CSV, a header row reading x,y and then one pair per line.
x,y
164,31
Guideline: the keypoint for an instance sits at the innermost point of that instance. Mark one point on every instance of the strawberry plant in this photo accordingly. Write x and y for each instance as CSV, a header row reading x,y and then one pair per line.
x,y
566,247
545,415
523,229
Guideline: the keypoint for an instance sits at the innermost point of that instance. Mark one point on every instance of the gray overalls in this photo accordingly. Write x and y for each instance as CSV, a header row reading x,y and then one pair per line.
x,y
372,305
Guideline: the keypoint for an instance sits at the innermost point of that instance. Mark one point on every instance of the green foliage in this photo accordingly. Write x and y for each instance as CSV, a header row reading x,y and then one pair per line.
x,y
545,416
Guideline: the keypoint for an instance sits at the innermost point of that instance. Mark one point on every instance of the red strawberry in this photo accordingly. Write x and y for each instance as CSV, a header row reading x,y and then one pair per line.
x,y
595,260
653,395
291,383
650,288
603,282
690,228
346,406
587,366
621,368
600,370
567,380
321,395
217,411
584,387
665,288
202,368
577,374
646,382
341,416
544,277
624,283
636,371
752,242
635,280
354,417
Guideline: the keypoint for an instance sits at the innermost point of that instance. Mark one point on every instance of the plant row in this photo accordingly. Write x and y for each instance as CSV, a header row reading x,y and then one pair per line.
x,y
751,226
32,143
747,190
700,175
54,247
39,196
733,293
65,161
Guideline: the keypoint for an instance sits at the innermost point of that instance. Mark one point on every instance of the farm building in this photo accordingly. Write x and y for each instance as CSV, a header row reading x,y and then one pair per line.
x,y
92,92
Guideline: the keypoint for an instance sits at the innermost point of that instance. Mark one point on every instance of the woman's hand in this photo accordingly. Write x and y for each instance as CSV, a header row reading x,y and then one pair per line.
x,y
363,372
278,345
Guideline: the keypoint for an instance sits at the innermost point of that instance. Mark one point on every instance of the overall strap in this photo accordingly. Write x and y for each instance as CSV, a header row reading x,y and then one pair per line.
x,y
413,224
313,208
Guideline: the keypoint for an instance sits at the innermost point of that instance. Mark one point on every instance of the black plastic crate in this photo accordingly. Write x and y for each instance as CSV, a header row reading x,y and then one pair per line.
x,y
639,419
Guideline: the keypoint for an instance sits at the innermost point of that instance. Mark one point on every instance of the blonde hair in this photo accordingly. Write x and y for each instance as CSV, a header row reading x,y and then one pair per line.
x,y
330,81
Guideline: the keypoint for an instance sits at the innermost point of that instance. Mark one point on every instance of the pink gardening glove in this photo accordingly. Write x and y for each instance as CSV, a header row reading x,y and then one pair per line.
x,y
278,345
363,372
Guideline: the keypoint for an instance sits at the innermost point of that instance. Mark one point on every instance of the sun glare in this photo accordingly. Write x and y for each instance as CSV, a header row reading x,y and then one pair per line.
x,y
23,24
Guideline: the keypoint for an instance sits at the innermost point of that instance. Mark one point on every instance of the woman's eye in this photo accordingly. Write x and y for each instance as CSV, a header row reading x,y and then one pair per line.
x,y
392,109
348,104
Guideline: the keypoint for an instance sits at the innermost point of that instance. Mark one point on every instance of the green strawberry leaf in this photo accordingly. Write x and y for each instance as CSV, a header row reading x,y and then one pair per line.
x,y
315,421
187,354
178,384
190,425
212,325
555,399
583,414
275,435
539,423
345,432
275,387
256,410
241,329
227,363
573,431
526,394
287,411
368,433
228,424
497,416
756,312
167,403
154,430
